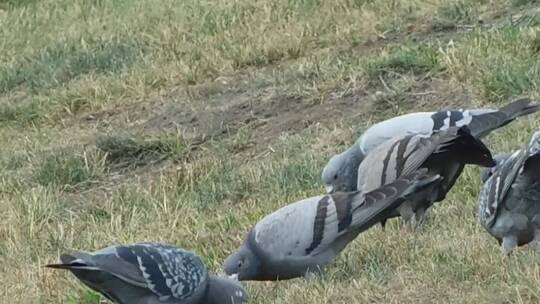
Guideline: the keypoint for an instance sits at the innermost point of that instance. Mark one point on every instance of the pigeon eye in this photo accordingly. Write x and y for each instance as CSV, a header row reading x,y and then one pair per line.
x,y
335,176
240,263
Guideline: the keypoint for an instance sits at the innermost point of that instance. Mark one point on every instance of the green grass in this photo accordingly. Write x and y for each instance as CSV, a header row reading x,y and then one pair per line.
x,y
458,11
66,169
522,2
21,112
11,4
90,297
58,64
416,59
186,122
505,62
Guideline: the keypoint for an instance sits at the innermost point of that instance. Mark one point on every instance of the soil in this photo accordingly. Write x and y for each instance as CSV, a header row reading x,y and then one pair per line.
x,y
227,105
219,109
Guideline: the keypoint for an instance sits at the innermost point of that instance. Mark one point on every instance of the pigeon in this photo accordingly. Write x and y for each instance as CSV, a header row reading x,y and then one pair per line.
x,y
509,203
340,174
300,239
151,273
444,153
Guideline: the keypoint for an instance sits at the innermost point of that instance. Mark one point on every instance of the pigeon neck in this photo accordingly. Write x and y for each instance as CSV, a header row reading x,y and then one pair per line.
x,y
355,153
356,156
258,256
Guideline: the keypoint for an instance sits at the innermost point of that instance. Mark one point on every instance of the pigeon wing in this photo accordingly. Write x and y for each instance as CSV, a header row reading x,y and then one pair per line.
x,y
169,272
356,211
395,158
497,186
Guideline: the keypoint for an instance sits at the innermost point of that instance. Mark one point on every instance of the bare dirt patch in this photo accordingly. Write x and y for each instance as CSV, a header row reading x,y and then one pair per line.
x,y
267,112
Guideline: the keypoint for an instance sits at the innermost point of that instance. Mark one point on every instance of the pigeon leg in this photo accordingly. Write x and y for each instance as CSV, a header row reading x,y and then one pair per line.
x,y
313,274
509,242
536,241
383,224
420,216
407,214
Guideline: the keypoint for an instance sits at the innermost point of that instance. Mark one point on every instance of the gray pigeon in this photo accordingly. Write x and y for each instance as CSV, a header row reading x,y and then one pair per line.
x,y
150,273
340,174
509,203
444,153
302,238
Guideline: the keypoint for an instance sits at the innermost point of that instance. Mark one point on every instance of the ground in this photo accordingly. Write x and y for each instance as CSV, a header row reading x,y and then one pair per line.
x,y
185,122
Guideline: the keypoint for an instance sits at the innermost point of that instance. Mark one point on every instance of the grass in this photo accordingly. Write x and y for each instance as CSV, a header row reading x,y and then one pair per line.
x,y
10,4
257,96
58,64
127,151
419,58
522,2
458,11
63,169
505,62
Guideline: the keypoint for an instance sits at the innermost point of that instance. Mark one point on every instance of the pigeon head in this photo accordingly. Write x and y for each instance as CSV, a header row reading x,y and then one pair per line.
x,y
225,291
341,172
242,264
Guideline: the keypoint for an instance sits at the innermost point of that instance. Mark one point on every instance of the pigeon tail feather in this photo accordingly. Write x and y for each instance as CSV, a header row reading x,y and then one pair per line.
x,y
520,107
71,262
482,124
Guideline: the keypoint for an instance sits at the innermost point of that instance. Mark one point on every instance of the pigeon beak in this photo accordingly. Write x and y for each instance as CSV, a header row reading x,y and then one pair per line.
x,y
234,277
329,188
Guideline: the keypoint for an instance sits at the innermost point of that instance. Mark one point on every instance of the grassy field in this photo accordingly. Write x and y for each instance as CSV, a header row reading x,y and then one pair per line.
x,y
187,121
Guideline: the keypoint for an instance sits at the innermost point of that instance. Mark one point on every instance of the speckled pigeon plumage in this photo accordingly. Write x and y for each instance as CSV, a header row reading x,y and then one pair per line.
x,y
302,238
150,273
444,153
340,174
509,203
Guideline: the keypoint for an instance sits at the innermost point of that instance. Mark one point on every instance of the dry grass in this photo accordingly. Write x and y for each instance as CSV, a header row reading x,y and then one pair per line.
x,y
71,71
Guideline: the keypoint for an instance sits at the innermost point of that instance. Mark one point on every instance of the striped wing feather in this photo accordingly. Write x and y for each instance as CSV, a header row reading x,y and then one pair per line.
x,y
398,157
167,271
497,186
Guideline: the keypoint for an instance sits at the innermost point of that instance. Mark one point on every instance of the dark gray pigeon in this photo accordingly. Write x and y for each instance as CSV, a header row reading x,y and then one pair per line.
x,y
340,174
509,203
150,273
302,238
444,153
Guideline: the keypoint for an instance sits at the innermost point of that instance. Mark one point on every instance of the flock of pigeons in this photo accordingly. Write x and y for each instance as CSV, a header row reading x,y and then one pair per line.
x,y
398,167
